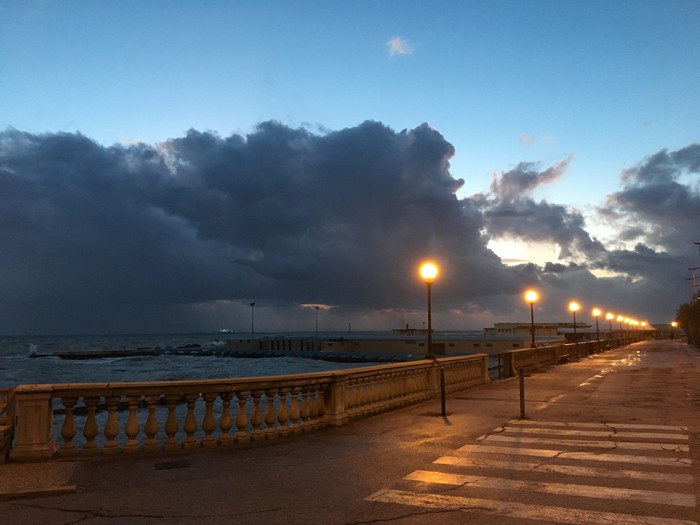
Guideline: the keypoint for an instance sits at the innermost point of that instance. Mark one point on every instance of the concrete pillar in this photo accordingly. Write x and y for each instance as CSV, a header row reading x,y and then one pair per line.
x,y
335,403
34,430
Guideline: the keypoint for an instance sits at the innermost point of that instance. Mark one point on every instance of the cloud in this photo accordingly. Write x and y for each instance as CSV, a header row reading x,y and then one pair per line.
x,y
185,234
399,46
133,237
527,139
511,212
655,206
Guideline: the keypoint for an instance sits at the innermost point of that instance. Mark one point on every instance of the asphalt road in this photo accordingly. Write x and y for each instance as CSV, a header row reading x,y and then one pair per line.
x,y
613,438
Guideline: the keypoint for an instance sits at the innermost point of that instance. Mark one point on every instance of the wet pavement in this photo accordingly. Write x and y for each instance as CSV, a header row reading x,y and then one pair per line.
x,y
612,438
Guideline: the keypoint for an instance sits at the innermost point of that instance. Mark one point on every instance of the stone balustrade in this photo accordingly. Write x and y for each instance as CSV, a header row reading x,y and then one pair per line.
x,y
530,359
91,419
6,421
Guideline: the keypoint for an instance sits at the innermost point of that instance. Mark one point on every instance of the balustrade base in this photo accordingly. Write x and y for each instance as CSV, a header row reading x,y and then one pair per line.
x,y
33,452
5,442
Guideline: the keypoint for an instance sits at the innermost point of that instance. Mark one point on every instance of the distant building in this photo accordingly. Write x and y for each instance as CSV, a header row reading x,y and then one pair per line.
x,y
523,329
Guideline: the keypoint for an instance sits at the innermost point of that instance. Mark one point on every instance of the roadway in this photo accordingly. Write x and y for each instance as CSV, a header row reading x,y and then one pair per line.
x,y
613,438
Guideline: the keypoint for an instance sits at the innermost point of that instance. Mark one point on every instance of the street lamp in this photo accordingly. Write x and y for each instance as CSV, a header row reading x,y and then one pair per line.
x,y
619,322
610,317
531,297
596,314
252,319
317,307
574,306
428,272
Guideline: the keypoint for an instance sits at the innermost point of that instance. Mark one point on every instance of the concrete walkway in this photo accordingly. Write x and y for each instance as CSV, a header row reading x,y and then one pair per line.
x,y
613,438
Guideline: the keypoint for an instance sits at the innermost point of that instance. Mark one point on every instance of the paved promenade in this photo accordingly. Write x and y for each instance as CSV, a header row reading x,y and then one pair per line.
x,y
613,438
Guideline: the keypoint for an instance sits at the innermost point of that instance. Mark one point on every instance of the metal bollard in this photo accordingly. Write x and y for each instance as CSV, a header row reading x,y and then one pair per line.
x,y
521,373
442,390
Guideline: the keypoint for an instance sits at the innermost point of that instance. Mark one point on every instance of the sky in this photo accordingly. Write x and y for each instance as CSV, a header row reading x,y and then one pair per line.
x,y
165,164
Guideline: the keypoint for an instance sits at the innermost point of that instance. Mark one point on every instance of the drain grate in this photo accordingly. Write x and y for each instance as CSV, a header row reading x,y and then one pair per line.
x,y
168,465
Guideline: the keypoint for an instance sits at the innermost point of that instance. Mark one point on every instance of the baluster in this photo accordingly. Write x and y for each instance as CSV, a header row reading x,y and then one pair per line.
x,y
256,418
370,394
270,416
305,410
151,426
90,429
190,426
209,423
379,393
321,404
364,394
171,423
282,415
294,411
350,397
313,407
225,422
68,428
132,425
112,426
242,418
398,388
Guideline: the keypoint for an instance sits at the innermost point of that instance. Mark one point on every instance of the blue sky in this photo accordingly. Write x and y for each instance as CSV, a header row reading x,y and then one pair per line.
x,y
604,84
503,81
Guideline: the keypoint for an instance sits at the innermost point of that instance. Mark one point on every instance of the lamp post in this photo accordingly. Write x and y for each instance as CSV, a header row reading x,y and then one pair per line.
x,y
252,319
317,307
574,306
596,314
531,297
673,329
609,316
619,322
428,272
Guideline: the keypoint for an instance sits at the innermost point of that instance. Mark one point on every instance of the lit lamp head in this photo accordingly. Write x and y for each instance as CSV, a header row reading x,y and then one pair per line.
x,y
428,271
619,318
574,306
596,312
531,296
674,324
610,316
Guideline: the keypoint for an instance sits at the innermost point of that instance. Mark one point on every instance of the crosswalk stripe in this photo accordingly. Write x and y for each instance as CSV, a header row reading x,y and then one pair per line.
x,y
529,422
595,433
512,509
588,456
617,445
566,453
560,489
569,470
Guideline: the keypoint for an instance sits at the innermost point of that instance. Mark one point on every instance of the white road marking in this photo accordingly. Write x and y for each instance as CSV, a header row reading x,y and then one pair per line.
x,y
596,433
663,460
561,489
528,422
589,456
512,509
568,470
611,445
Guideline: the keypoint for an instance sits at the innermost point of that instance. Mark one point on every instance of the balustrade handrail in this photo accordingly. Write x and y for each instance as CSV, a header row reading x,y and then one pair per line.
x,y
129,417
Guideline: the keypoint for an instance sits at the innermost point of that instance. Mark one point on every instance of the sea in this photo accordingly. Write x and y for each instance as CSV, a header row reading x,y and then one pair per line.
x,y
17,366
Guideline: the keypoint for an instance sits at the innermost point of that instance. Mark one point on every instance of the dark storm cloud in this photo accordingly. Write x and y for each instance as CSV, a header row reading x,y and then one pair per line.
x,y
183,235
656,206
116,238
511,212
